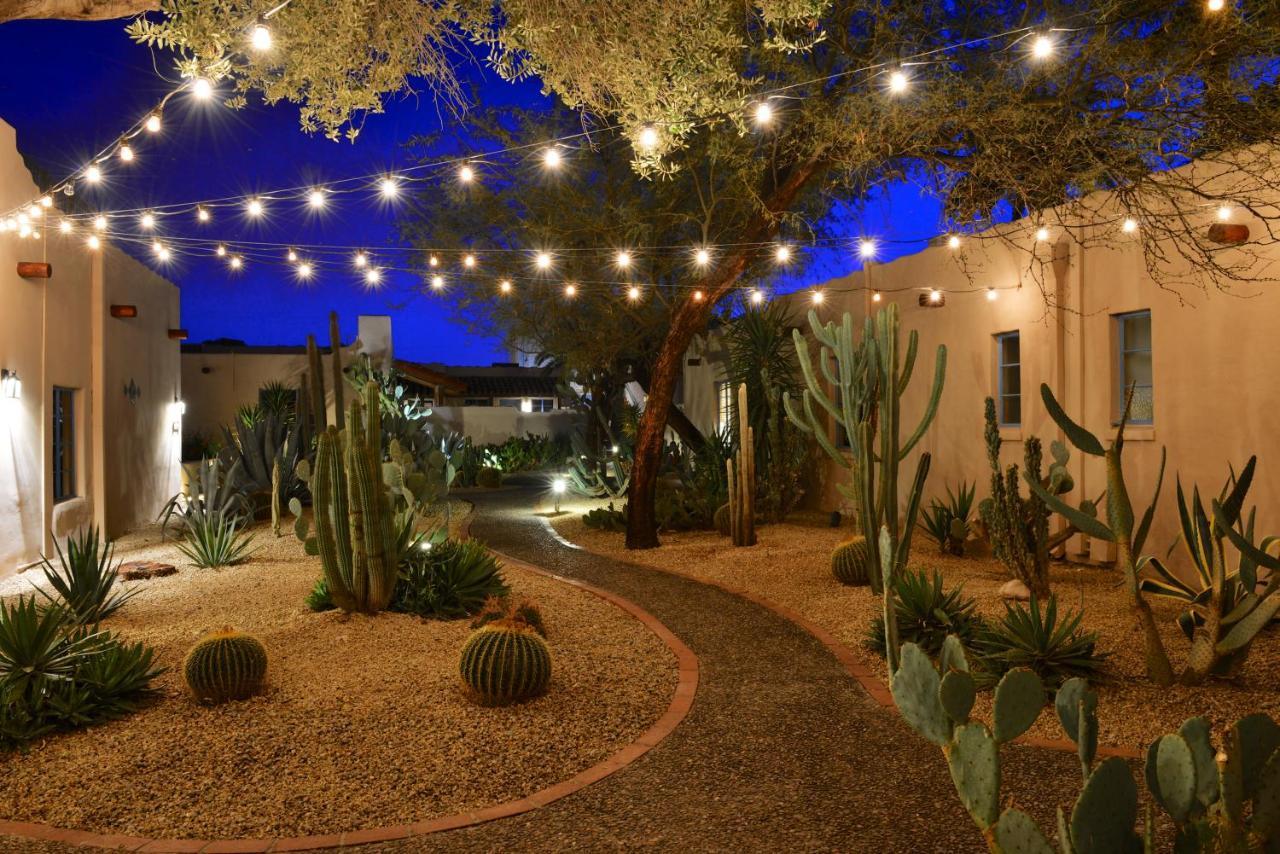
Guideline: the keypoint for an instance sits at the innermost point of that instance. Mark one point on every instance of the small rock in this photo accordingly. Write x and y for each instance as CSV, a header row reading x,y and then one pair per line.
x,y
1014,590
140,570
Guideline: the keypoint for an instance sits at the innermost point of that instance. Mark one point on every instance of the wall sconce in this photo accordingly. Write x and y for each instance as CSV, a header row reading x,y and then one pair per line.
x,y
526,405
10,385
177,409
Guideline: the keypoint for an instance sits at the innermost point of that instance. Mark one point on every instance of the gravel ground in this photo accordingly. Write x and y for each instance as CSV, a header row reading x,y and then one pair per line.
x,y
362,724
791,566
782,750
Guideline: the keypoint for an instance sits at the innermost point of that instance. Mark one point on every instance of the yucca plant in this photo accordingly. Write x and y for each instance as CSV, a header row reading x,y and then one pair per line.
x,y
448,579
249,414
926,613
84,583
1035,638
278,400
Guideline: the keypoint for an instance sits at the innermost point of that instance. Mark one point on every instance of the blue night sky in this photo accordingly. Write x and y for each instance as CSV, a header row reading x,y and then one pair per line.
x,y
88,82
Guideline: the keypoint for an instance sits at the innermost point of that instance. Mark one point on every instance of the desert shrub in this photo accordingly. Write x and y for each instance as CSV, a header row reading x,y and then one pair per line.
x,y
606,518
1056,649
447,579
84,583
55,675
928,612
319,599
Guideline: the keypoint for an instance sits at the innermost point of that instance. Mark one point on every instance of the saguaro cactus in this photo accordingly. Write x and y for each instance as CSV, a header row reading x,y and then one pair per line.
x,y
868,381
742,479
355,535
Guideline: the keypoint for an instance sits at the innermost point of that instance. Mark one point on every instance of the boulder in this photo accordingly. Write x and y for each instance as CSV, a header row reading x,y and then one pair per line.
x,y
1015,591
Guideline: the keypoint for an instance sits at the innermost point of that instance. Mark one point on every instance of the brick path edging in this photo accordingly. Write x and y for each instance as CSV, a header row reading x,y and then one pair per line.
x,y
681,703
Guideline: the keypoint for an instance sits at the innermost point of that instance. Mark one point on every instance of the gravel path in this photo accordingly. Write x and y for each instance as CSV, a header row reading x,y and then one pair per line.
x,y
782,750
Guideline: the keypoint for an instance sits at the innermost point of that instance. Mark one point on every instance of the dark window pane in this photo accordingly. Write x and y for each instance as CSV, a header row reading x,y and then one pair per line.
x,y
1011,409
1009,349
1137,368
1137,332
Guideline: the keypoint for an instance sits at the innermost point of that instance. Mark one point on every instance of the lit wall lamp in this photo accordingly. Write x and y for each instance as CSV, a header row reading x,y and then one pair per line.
x,y
10,385
177,409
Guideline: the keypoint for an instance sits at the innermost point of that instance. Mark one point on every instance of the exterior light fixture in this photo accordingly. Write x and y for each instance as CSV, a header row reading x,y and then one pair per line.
x,y
867,249
10,385
557,489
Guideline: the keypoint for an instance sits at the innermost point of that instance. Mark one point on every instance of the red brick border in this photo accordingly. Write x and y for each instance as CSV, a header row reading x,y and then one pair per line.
x,y
681,703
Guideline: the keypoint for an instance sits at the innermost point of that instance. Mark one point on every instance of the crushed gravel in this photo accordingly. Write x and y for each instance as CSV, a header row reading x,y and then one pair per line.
x,y
791,566
363,722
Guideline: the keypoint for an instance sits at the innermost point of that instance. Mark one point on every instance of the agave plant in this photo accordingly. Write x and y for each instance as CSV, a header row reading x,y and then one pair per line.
x,y
215,540
212,491
947,522
926,613
84,583
446,578
1036,639
35,649
279,401
213,517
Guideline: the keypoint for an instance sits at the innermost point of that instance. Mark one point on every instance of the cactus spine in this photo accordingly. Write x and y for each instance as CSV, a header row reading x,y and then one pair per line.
x,y
741,469
225,665
505,662
869,378
355,534
851,562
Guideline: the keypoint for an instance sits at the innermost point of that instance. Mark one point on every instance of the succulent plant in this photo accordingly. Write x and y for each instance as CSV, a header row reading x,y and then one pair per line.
x,y
1218,800
489,477
870,378
505,661
851,562
225,665
1033,636
927,613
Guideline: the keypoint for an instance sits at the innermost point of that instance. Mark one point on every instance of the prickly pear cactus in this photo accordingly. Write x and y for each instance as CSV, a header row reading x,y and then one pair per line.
x,y
851,562
225,665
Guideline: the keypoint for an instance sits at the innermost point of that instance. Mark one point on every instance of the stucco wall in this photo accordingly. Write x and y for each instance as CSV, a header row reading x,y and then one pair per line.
x,y
216,384
486,424
55,332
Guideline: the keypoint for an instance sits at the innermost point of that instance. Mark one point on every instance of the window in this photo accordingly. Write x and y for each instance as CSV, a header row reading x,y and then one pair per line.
x,y
477,401
1133,368
724,406
513,402
541,404
64,443
1009,379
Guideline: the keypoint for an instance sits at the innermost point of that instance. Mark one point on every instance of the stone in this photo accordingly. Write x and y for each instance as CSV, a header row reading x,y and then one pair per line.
x,y
140,570
1015,591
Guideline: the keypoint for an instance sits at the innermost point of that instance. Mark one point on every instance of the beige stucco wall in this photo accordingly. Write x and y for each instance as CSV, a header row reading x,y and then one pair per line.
x,y
216,384
697,396
57,332
1214,360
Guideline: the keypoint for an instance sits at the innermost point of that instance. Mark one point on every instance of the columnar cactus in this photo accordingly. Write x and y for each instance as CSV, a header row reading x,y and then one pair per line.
x,y
868,380
741,472
225,665
851,562
720,519
505,662
1219,800
356,533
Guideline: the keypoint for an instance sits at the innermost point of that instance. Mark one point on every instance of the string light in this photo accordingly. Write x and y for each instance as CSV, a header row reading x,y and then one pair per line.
x,y
46,202
100,223
543,261
622,260
65,226
93,174
93,242
125,152
1216,5
875,297
304,271
373,276
202,214
236,263
466,174
898,82
35,211
1224,213
697,296
702,257
260,37
152,123
316,199
570,290
155,246
389,187
867,249
648,137
633,293
757,297
361,259
819,297
221,251
504,286
1042,47
35,234
1042,234
1129,226
292,256
764,113
469,261
434,261
551,158
254,208
782,254
162,253
147,221
437,282
992,295
202,88
953,241
935,295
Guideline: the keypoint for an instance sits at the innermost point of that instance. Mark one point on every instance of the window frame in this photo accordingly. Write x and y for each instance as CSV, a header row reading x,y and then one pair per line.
x,y
724,405
1121,381
999,338
63,444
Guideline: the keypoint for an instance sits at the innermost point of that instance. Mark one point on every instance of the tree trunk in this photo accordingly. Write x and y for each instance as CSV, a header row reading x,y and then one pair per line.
x,y
689,319
676,419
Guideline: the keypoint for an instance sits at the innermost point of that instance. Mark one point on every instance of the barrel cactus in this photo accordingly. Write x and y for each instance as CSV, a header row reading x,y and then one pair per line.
x,y
851,562
225,665
506,661
721,520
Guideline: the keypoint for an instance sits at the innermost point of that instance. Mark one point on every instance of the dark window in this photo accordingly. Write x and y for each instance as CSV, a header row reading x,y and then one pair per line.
x,y
1133,334
64,443
477,401
1009,379
542,404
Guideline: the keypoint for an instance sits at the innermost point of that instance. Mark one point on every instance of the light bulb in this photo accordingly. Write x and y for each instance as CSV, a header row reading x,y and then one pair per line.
x,y
633,293
875,297
236,263
93,174
162,253
147,221
93,242
504,286
570,290
935,295
202,88
468,261
254,208
1042,47
1224,213
65,226
46,202
466,174
292,256
35,211
434,261
764,113
1129,226
697,296
782,254
551,158
316,199
220,251
953,241
100,223
992,294
543,261
756,297
155,246
304,271
898,82
389,188
202,214
1216,5
437,282
648,138
702,257
867,249
361,259
260,37
35,235
1042,234
622,260
372,277
819,297
152,123
126,153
